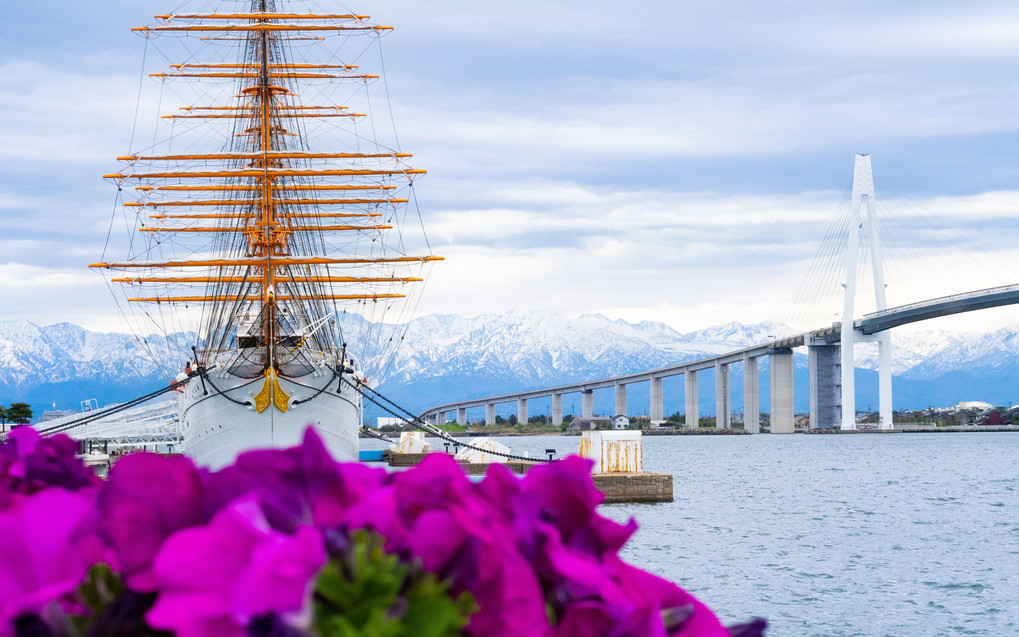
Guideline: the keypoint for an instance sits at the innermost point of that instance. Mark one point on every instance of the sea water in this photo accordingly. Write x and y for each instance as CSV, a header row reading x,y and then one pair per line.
x,y
834,535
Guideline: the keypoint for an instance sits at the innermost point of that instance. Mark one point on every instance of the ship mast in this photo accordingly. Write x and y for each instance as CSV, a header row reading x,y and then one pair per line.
x,y
270,229
268,208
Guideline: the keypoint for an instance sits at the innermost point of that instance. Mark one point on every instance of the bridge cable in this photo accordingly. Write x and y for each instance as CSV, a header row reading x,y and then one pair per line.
x,y
824,270
933,246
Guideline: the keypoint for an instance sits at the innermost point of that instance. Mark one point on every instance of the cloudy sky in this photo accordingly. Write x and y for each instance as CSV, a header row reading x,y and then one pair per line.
x,y
664,160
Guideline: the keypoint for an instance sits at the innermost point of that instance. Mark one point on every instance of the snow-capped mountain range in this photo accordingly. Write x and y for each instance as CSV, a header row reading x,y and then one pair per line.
x,y
446,357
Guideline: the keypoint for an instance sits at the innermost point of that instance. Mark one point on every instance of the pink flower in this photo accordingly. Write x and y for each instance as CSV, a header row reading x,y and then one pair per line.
x,y
47,546
29,463
296,486
237,552
212,581
650,595
461,534
574,553
435,514
147,498
563,495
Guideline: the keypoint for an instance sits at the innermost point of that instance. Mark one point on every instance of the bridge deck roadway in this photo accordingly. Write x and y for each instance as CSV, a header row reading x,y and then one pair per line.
x,y
869,324
663,372
942,306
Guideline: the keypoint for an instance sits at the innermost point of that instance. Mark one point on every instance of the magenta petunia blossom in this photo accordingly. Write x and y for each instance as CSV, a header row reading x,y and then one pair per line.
x,y
29,463
212,581
237,552
435,514
148,497
573,550
47,546
297,486
650,595
480,554
563,494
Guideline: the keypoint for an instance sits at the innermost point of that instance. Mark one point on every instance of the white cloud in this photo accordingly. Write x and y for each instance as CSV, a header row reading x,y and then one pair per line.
x,y
17,276
585,158
49,116
692,260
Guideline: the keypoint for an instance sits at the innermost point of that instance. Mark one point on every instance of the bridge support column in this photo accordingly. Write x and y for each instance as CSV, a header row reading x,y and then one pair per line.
x,y
557,409
848,368
461,416
723,412
825,385
522,411
692,417
657,400
489,413
884,380
884,375
782,414
620,400
751,396
587,403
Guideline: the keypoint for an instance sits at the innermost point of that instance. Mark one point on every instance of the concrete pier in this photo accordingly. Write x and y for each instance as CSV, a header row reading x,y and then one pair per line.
x,y
557,409
617,487
461,416
723,412
751,395
489,413
473,469
587,403
481,468
634,487
782,414
825,385
657,400
522,411
405,459
692,418
620,400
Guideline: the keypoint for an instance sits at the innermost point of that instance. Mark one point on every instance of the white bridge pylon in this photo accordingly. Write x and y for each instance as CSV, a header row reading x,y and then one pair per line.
x,y
863,221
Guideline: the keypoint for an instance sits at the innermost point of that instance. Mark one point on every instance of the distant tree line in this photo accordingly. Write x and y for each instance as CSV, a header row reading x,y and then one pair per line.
x,y
16,414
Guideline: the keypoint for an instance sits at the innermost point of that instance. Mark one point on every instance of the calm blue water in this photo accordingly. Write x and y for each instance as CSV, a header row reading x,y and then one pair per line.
x,y
910,534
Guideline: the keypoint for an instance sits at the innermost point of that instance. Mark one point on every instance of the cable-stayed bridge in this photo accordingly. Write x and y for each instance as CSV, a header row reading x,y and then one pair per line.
x,y
823,346
830,350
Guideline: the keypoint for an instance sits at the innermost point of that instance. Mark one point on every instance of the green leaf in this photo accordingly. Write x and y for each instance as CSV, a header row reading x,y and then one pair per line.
x,y
113,609
367,592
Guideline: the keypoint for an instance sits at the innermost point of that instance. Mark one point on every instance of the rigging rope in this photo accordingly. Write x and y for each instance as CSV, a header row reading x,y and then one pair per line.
x,y
115,409
374,397
371,433
420,424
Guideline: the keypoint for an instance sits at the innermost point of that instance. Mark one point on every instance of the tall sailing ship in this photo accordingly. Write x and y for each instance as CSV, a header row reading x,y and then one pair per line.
x,y
266,214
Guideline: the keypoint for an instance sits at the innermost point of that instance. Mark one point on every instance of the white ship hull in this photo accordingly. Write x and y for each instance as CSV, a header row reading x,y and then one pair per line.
x,y
216,429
